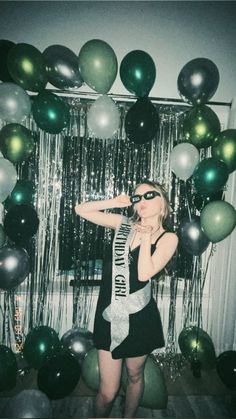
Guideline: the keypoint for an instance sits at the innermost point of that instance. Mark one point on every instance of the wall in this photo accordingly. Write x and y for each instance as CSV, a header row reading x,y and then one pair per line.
x,y
173,33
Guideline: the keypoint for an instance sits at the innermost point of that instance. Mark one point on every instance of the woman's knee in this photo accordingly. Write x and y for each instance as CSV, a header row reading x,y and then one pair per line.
x,y
108,393
134,375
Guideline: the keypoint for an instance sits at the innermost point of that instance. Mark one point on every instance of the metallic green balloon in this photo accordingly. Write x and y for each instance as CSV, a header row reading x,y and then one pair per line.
x,y
98,65
27,67
41,343
209,176
196,344
23,193
16,142
50,112
138,72
201,125
218,220
224,148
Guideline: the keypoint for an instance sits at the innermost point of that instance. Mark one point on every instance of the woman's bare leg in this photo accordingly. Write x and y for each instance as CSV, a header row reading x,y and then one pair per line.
x,y
135,384
110,373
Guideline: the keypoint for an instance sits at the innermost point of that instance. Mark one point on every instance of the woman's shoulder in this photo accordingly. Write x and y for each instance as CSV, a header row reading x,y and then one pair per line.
x,y
168,236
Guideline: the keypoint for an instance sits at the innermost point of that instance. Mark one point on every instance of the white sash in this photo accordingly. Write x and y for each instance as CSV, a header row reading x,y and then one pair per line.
x,y
122,302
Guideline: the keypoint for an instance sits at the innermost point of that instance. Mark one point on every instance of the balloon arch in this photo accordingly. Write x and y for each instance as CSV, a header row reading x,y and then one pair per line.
x,y
58,147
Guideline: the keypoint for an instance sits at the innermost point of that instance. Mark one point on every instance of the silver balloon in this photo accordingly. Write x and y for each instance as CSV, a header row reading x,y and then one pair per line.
x,y
78,342
183,159
15,104
8,178
14,266
62,67
103,117
28,404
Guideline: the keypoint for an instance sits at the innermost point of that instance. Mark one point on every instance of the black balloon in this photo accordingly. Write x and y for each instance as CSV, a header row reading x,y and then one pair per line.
x,y
62,66
198,81
226,368
5,47
28,404
21,223
58,377
78,342
8,368
200,202
141,121
191,236
14,267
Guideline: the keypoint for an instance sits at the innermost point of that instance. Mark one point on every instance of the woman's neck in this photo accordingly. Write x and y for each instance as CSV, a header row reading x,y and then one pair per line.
x,y
153,222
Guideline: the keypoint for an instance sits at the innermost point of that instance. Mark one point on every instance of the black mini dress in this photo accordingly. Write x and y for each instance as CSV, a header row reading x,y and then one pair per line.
x,y
145,326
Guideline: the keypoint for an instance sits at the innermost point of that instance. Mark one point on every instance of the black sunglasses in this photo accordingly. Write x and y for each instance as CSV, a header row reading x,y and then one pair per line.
x,y
147,195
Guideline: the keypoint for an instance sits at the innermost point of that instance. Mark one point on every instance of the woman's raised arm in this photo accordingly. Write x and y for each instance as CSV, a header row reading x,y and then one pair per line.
x,y
93,210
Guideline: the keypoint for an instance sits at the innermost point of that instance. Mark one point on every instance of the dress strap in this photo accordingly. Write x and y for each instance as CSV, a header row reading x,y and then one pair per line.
x,y
158,238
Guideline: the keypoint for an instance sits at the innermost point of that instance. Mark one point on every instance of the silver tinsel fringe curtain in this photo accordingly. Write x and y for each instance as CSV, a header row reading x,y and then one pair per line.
x,y
66,253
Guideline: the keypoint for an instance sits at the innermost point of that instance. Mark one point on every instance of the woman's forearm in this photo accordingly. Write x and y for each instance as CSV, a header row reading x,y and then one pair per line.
x,y
91,206
145,264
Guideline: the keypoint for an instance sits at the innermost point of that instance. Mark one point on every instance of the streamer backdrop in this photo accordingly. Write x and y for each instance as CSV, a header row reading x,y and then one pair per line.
x,y
73,166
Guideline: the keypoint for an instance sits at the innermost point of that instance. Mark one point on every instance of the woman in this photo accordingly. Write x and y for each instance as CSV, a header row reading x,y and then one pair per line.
x,y
127,321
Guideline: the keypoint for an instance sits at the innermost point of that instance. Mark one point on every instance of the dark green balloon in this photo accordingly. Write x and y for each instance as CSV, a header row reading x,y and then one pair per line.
x,y
224,148
21,223
141,121
209,176
2,236
155,395
226,368
8,368
58,377
218,220
138,72
196,344
50,112
23,193
41,343
201,125
5,47
90,369
16,142
27,67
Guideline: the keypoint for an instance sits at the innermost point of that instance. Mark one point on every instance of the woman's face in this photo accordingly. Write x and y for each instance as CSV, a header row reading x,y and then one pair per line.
x,y
148,207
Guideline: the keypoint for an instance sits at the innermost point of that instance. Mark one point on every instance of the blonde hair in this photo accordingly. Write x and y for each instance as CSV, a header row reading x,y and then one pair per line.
x,y
166,208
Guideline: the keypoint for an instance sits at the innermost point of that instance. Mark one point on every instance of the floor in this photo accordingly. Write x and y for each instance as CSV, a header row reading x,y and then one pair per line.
x,y
188,397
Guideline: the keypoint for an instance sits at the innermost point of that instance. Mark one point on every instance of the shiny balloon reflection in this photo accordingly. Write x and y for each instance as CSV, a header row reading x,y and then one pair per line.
x,y
192,238
62,67
14,266
78,342
15,104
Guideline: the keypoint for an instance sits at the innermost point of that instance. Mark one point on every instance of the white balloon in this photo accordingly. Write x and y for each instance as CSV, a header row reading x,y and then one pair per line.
x,y
103,117
183,159
8,178
15,103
